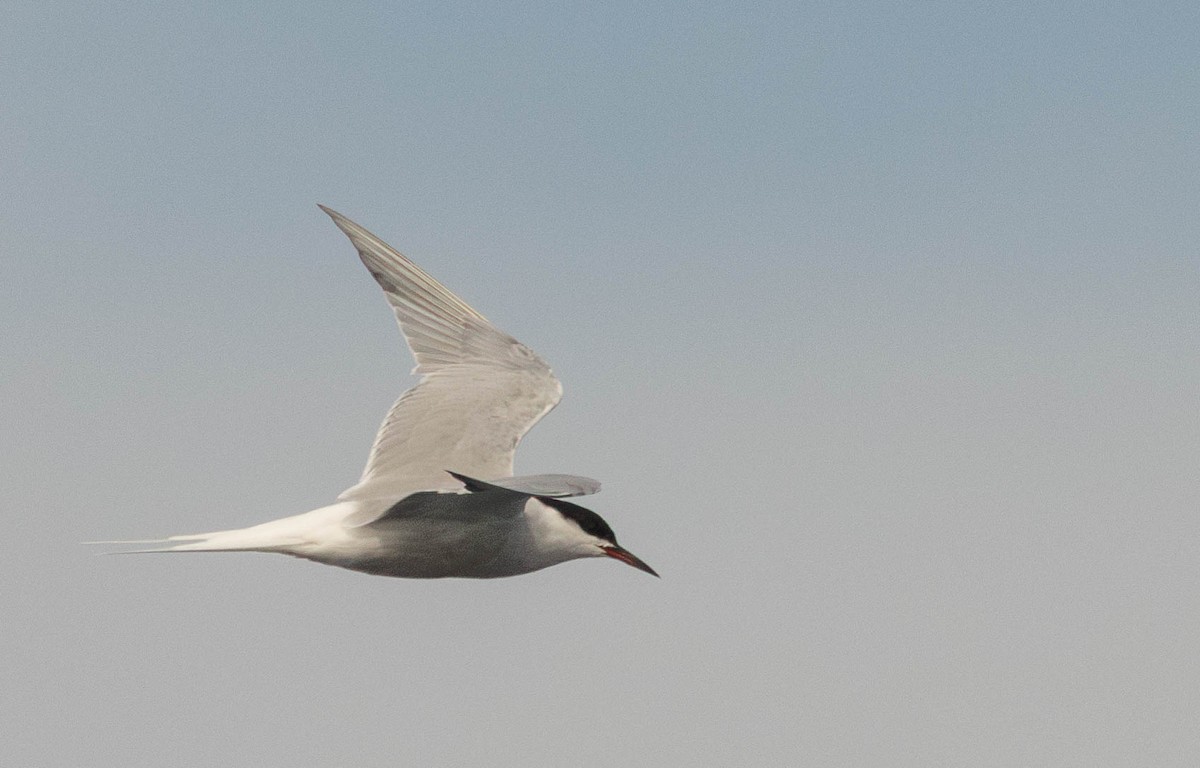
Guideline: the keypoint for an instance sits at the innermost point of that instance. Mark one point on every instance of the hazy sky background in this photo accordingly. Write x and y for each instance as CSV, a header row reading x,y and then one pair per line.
x,y
878,322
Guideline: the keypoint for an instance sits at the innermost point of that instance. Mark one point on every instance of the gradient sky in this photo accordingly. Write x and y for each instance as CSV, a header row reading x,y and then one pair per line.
x,y
878,322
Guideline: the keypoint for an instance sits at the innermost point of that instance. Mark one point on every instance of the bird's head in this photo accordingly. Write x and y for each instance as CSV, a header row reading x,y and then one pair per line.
x,y
594,538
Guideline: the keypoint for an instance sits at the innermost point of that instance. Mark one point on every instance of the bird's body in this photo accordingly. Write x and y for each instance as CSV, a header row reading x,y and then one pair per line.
x,y
419,511
428,534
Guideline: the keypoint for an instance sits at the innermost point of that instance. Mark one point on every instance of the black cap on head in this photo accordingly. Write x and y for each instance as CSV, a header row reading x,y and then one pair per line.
x,y
586,519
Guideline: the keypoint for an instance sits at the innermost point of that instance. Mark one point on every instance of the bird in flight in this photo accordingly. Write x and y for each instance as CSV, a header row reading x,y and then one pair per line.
x,y
438,497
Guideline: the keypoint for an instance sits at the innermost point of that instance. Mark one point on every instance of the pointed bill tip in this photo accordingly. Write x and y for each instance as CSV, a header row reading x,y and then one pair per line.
x,y
627,557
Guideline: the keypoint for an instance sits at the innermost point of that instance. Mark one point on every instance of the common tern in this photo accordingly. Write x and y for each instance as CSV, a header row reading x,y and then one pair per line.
x,y
438,497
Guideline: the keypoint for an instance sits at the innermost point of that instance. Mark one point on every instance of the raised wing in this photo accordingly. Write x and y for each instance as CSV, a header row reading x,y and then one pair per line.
x,y
480,390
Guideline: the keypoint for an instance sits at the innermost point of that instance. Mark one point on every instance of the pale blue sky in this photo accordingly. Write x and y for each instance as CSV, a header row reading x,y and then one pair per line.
x,y
878,322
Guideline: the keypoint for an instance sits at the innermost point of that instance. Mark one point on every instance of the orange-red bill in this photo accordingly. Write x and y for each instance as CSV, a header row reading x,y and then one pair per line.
x,y
627,557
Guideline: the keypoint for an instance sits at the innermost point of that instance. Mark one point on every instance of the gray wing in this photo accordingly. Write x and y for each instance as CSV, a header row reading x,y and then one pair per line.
x,y
539,485
480,390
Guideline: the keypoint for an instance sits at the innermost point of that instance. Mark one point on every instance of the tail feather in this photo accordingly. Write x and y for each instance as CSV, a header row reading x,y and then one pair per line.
x,y
130,541
281,535
236,540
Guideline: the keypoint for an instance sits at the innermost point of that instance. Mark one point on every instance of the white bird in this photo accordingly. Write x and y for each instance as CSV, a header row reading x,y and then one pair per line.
x,y
437,497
